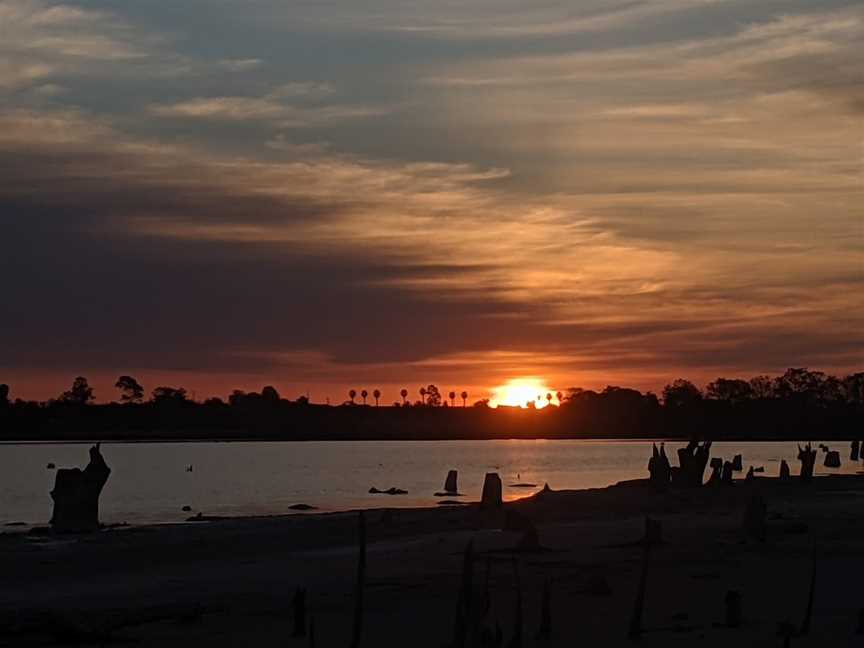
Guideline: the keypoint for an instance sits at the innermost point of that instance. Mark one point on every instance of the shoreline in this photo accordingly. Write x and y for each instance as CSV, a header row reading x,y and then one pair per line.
x,y
236,577
587,439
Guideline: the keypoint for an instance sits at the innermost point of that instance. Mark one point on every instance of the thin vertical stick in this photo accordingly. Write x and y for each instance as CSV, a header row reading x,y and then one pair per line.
x,y
805,625
635,631
516,641
361,576
545,630
463,604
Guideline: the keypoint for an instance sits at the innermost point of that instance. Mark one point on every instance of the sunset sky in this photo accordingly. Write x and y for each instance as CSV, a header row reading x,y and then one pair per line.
x,y
324,194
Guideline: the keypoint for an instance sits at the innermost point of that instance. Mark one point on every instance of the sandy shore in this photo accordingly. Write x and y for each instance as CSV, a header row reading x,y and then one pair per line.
x,y
230,583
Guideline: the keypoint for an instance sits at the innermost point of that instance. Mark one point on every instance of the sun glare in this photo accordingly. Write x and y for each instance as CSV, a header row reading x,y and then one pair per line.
x,y
519,392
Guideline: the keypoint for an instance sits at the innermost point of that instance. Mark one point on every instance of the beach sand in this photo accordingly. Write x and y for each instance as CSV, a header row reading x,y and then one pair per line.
x,y
231,582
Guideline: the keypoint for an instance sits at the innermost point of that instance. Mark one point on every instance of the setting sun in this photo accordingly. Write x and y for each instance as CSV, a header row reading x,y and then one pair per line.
x,y
519,392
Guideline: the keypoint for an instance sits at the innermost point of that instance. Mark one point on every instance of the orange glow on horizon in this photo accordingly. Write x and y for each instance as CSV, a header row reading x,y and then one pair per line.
x,y
519,392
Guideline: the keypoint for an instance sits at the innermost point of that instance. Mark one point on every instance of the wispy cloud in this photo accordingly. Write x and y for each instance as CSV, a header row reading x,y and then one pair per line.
x,y
497,200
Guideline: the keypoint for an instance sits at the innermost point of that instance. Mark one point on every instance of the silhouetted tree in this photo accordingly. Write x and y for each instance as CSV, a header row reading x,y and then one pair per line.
x,y
404,395
799,382
423,395
853,388
730,391
130,390
548,398
352,394
763,387
80,394
164,395
483,402
464,396
363,395
4,395
302,400
270,395
560,397
452,396
832,390
376,395
680,393
433,396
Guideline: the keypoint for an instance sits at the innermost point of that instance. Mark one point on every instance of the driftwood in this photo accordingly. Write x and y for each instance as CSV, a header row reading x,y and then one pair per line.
x,y
76,495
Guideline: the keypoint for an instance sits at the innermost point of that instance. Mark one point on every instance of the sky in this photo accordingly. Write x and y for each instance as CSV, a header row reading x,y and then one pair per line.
x,y
326,194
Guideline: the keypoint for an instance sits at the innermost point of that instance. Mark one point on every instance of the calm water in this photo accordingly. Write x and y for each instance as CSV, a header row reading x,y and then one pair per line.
x,y
149,481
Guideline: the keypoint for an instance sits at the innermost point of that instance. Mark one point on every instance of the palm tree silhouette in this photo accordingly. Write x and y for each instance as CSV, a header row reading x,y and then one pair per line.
x,y
452,395
464,395
559,396
364,394
404,395
377,395
423,394
352,394
548,398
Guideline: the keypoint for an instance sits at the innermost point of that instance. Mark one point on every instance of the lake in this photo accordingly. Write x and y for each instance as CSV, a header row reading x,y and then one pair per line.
x,y
149,482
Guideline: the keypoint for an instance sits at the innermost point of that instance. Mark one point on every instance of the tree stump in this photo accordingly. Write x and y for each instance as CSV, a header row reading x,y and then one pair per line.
x,y
76,495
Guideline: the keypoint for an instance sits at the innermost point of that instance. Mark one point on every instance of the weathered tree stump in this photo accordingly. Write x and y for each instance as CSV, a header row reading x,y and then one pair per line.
x,y
807,457
491,497
726,477
76,495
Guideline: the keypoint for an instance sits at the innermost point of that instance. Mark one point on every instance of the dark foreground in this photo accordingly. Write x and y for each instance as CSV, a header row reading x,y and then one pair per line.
x,y
230,583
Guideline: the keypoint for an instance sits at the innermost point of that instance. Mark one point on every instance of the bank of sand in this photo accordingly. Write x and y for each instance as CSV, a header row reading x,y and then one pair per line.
x,y
230,582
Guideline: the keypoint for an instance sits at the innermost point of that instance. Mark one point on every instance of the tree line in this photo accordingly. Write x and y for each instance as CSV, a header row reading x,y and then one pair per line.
x,y
799,403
